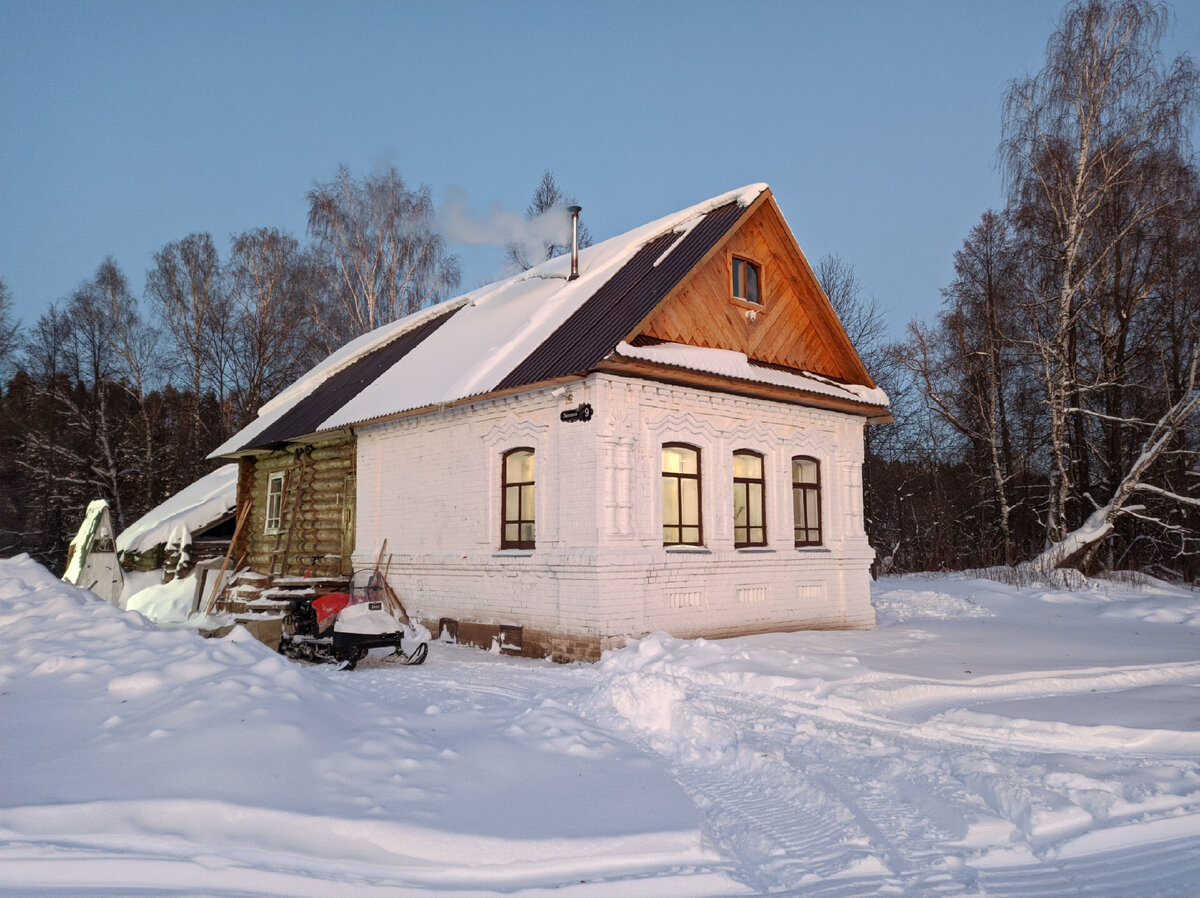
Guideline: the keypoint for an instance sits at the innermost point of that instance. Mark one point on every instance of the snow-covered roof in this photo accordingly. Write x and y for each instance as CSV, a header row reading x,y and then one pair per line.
x,y
194,507
529,328
728,363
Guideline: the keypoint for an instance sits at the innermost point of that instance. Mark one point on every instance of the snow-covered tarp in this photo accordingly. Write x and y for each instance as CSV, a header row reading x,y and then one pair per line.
x,y
193,508
983,740
94,518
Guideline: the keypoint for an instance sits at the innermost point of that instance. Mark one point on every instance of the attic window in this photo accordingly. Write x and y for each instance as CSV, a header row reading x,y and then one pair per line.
x,y
746,280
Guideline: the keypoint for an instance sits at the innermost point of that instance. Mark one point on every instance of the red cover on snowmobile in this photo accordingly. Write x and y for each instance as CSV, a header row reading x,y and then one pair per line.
x,y
328,606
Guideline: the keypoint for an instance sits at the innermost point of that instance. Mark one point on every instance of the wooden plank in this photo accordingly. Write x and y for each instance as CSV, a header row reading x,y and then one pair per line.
x,y
794,326
208,606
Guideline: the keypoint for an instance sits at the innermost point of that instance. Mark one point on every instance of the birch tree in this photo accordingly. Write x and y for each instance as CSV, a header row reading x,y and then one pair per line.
x,y
273,287
385,253
187,288
135,344
1075,135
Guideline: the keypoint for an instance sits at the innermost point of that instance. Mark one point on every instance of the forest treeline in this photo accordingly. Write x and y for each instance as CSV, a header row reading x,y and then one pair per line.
x,y
121,396
1048,415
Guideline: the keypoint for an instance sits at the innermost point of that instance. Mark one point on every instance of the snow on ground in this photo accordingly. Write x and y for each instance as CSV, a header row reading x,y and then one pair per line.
x,y
170,603
983,740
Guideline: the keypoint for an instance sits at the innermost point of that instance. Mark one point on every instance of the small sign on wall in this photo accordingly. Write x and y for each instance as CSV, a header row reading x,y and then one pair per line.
x,y
579,413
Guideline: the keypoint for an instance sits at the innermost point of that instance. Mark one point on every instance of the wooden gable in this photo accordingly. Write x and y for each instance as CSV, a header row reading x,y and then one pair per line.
x,y
794,325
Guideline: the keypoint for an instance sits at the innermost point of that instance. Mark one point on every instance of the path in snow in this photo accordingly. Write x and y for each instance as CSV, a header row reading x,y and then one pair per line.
x,y
815,771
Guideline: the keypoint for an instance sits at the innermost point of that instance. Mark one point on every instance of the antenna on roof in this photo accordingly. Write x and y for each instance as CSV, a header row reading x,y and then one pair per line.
x,y
574,210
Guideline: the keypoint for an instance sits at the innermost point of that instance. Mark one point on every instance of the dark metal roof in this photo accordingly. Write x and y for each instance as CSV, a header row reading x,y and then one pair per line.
x,y
594,330
307,415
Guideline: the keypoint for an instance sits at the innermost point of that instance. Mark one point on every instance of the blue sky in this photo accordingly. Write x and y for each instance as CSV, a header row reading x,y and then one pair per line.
x,y
126,125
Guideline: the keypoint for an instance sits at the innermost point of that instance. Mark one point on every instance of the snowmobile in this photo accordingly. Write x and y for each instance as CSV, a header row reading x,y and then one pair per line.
x,y
340,627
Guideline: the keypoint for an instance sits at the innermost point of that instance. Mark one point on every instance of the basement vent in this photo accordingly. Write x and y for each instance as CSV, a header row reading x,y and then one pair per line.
x,y
686,599
810,592
749,595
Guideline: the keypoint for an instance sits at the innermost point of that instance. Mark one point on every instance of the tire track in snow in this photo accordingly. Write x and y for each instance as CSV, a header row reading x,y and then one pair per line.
x,y
852,822
827,796
796,819
1144,870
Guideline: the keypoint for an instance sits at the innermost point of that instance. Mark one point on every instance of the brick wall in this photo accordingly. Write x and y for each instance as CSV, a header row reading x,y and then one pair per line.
x,y
430,484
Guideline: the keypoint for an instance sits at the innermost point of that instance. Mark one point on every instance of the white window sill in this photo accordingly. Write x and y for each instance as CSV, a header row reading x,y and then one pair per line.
x,y
513,553
687,550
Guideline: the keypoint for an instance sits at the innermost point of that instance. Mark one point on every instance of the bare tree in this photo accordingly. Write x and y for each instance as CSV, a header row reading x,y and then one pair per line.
x,y
135,342
861,314
74,450
386,254
272,283
1075,135
965,363
187,287
1080,545
9,328
547,197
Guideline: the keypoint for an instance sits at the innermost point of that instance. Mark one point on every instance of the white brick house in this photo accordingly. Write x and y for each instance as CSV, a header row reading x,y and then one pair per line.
x,y
670,441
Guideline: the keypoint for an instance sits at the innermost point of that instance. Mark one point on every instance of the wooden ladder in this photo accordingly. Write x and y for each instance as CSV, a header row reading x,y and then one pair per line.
x,y
292,487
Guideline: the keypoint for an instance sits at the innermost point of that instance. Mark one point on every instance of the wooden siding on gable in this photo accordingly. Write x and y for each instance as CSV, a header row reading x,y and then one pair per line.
x,y
313,520
794,325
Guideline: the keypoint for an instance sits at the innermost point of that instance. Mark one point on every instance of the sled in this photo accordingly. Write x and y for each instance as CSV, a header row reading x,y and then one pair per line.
x,y
341,627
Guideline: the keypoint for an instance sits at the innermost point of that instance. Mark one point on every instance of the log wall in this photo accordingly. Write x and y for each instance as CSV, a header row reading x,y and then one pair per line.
x,y
318,505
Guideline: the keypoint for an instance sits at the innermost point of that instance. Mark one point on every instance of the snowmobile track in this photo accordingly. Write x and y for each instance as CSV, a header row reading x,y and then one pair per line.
x,y
796,820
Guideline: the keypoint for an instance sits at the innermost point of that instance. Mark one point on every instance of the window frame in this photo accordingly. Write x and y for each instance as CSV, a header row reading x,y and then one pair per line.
x,y
804,488
746,482
519,521
679,525
738,264
274,523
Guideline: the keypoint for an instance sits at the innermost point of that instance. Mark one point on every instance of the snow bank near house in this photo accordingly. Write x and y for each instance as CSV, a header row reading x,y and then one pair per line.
x,y
192,508
165,603
149,758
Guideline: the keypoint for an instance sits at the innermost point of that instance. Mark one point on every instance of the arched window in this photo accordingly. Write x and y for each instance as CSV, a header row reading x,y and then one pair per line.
x,y
517,507
806,500
749,518
681,495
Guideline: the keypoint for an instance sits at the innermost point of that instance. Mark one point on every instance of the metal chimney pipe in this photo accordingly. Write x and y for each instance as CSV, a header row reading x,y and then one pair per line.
x,y
574,210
